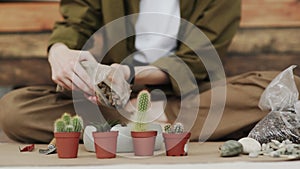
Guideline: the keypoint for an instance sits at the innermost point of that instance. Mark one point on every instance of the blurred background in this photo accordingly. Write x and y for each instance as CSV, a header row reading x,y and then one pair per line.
x,y
268,39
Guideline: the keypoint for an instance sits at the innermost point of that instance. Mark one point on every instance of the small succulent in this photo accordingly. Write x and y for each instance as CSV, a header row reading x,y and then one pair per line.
x,y
104,127
177,128
67,123
168,128
143,105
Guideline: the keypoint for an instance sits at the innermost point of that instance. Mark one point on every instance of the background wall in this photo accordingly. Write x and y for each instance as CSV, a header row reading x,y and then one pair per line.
x,y
268,39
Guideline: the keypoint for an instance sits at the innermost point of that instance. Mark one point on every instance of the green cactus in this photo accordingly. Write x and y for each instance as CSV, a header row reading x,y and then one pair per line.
x,y
66,117
177,128
168,128
143,101
77,123
59,125
143,105
67,123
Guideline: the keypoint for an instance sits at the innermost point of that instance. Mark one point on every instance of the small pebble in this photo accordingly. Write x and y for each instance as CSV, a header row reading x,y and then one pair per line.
x,y
281,151
275,142
264,146
287,141
274,154
289,148
250,145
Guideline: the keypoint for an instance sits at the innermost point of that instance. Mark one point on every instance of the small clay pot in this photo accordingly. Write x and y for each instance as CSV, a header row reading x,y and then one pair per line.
x,y
105,144
143,142
176,144
67,144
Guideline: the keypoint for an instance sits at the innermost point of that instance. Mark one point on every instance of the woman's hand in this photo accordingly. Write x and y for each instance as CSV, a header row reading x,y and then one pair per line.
x,y
114,76
119,74
67,70
117,80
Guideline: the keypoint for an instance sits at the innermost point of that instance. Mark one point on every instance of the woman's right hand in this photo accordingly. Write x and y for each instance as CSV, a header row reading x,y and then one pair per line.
x,y
67,70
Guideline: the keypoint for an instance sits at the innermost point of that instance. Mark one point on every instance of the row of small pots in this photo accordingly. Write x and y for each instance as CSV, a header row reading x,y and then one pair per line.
x,y
106,143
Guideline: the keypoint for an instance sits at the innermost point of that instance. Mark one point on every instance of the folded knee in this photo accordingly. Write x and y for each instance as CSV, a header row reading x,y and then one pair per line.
x,y
9,115
15,120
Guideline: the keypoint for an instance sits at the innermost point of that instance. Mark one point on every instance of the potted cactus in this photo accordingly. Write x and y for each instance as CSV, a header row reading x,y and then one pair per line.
x,y
67,130
143,140
176,140
105,141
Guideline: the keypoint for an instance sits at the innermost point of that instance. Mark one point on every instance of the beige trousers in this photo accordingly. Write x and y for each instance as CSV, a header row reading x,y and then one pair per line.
x,y
27,114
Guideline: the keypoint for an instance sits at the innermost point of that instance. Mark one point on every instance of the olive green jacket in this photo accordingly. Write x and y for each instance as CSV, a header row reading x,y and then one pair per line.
x,y
217,19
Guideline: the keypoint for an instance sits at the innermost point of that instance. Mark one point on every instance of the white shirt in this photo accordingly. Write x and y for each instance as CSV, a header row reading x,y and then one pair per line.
x,y
156,29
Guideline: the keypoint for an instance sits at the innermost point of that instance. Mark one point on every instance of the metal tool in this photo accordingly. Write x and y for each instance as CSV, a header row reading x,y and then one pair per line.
x,y
51,148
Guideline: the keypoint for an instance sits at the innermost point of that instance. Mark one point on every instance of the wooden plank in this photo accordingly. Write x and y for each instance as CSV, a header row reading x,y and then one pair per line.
x,y
270,13
245,42
20,45
266,40
237,64
28,16
19,72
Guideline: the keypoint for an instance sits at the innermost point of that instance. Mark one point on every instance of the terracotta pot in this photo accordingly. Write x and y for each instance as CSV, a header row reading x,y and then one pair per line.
x,y
67,144
143,142
105,144
176,144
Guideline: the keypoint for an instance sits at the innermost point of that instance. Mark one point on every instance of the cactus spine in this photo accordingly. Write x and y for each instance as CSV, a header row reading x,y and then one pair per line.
x,y
69,128
143,104
68,124
177,128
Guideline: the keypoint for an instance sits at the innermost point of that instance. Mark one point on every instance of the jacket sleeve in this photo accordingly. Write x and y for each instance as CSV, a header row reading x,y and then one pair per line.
x,y
81,19
219,21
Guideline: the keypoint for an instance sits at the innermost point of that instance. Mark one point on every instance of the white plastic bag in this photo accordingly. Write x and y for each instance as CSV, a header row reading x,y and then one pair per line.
x,y
106,92
283,121
281,93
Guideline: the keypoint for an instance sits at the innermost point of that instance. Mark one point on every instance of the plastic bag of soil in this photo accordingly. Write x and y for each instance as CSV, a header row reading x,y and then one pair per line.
x,y
283,121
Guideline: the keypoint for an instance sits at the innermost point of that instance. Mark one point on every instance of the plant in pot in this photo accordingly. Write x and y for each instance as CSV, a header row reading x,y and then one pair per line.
x,y
105,141
143,140
67,130
176,140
